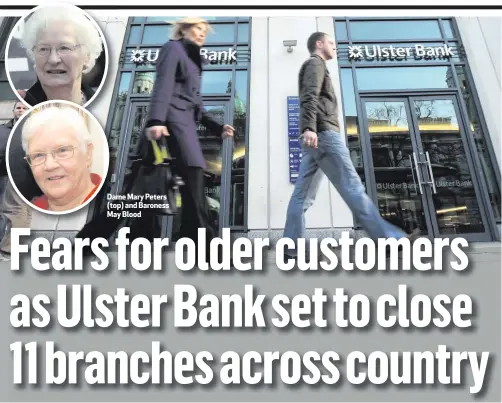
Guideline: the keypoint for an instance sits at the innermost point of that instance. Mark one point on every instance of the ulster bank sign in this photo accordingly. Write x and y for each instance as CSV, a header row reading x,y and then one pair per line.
x,y
140,56
378,52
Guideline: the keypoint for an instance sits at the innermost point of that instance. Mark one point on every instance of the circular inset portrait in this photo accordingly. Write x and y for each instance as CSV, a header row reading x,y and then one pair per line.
x,y
57,157
57,52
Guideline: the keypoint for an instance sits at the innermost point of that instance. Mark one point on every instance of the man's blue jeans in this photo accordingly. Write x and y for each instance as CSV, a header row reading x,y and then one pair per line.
x,y
332,158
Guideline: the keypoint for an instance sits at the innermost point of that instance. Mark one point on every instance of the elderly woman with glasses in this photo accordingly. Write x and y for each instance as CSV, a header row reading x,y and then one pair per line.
x,y
59,151
64,45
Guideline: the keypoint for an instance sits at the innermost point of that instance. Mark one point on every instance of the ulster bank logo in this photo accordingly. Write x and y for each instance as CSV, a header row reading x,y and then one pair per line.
x,y
378,52
355,52
141,56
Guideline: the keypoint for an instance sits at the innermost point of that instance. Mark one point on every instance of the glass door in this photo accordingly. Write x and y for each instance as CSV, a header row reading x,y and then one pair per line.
x,y
422,175
450,185
395,177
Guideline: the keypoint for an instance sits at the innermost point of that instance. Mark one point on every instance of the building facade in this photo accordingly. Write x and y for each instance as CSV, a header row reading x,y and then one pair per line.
x,y
419,108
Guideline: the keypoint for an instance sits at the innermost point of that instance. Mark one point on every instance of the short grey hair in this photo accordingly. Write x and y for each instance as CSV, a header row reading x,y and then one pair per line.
x,y
57,117
87,34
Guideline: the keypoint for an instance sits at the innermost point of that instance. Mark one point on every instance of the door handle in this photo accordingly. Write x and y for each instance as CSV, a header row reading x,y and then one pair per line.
x,y
430,171
412,172
418,173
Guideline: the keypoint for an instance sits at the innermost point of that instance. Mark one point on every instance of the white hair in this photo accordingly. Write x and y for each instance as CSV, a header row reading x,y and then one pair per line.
x,y
57,117
87,34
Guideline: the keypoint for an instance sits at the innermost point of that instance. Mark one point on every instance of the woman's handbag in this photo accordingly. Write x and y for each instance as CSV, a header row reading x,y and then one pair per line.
x,y
154,186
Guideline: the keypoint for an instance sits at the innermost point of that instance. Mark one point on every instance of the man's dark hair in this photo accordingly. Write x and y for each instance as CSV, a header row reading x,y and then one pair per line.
x,y
316,36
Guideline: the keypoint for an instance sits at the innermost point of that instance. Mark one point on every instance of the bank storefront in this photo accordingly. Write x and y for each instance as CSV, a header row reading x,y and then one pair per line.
x,y
225,96
420,131
414,126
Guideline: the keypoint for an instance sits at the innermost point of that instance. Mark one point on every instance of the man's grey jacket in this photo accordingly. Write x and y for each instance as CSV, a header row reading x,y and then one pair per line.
x,y
318,103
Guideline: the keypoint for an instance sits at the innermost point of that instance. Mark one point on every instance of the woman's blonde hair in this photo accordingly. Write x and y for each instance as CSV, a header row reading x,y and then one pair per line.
x,y
184,23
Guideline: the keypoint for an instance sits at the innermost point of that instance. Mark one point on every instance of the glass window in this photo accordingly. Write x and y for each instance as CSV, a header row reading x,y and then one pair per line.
x,y
239,152
212,18
125,79
243,33
240,106
113,138
394,30
134,35
216,82
402,78
481,142
138,19
143,82
447,28
162,19
222,33
156,34
341,31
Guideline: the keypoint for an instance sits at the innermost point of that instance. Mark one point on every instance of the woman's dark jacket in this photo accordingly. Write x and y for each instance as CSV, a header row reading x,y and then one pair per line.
x,y
176,100
36,95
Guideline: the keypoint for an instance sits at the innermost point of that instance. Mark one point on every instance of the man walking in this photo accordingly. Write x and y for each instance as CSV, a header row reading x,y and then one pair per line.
x,y
325,151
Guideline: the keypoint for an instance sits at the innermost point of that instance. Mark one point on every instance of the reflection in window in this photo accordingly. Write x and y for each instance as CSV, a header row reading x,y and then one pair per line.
x,y
481,142
156,34
143,82
351,120
455,199
391,149
114,138
394,30
239,152
216,82
402,78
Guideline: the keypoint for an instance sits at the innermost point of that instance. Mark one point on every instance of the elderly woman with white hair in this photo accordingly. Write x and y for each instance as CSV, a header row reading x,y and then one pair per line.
x,y
64,44
59,151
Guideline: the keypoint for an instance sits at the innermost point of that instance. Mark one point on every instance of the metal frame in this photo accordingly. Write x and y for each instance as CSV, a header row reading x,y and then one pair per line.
x,y
471,150
131,98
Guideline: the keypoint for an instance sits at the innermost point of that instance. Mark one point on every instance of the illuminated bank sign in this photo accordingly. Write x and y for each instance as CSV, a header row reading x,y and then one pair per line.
x,y
140,56
378,52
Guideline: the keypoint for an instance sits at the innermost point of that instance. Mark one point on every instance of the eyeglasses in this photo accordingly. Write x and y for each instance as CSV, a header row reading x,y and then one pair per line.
x,y
62,49
61,153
